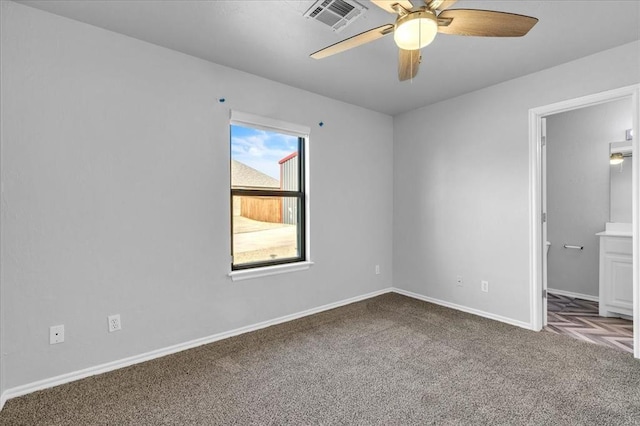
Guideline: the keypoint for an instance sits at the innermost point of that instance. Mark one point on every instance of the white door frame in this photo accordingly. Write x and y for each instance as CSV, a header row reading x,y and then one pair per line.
x,y
536,247
544,257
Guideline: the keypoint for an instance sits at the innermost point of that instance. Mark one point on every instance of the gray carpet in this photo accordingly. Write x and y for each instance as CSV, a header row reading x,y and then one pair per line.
x,y
387,360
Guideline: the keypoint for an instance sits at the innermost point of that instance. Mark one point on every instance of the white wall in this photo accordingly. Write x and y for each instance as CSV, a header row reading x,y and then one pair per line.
x,y
578,190
2,386
461,184
115,174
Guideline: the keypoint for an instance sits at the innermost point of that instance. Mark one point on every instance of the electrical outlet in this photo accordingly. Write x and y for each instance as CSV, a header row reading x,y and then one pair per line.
x,y
459,281
377,269
56,334
114,323
484,286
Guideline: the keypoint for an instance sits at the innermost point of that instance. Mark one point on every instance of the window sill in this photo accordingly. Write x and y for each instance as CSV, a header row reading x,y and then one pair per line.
x,y
265,271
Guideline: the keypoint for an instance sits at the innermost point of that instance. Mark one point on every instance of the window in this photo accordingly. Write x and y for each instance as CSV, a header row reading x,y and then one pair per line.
x,y
268,198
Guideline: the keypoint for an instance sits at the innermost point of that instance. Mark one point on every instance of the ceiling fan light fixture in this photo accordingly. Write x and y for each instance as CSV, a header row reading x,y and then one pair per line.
x,y
415,30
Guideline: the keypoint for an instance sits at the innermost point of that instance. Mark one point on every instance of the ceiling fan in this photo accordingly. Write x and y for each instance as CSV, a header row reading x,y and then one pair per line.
x,y
415,28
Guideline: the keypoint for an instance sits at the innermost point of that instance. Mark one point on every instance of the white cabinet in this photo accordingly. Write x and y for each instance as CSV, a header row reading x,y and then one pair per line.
x,y
616,275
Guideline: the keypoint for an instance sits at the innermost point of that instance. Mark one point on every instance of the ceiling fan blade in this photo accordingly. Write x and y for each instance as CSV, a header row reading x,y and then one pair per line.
x,y
484,23
408,63
386,4
355,41
440,4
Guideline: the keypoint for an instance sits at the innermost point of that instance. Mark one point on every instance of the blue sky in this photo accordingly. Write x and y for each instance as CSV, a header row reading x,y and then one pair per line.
x,y
261,149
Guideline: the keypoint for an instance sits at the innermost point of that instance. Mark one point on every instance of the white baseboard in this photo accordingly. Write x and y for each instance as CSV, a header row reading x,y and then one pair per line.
x,y
480,313
573,295
136,359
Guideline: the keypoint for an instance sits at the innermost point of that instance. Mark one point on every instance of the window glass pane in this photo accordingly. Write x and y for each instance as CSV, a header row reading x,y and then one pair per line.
x,y
262,159
265,229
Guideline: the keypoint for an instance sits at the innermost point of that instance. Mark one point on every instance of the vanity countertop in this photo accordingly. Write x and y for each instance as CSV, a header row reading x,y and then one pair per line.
x,y
614,229
614,234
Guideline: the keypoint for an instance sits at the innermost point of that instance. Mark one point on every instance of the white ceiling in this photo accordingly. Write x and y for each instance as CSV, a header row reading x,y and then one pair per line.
x,y
272,39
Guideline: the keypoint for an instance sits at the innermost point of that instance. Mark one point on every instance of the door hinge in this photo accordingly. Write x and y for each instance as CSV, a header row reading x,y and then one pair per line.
x,y
544,294
544,217
544,140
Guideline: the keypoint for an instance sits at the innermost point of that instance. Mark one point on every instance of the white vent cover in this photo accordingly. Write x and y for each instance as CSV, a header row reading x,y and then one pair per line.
x,y
335,13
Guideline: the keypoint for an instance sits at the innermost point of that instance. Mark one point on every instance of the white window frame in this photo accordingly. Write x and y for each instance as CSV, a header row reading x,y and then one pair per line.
x,y
270,124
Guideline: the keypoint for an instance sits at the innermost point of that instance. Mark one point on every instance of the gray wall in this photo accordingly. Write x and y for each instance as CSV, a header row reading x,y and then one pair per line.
x,y
115,174
578,190
461,184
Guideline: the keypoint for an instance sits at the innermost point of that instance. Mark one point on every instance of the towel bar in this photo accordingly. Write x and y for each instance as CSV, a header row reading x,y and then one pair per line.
x,y
573,247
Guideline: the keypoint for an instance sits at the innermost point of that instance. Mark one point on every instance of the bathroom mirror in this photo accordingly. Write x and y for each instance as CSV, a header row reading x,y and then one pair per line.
x,y
620,183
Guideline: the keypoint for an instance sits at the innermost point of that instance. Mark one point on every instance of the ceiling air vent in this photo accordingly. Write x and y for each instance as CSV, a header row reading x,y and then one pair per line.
x,y
335,13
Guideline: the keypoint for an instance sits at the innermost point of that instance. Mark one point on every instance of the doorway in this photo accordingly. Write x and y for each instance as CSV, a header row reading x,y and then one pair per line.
x,y
585,249
581,209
